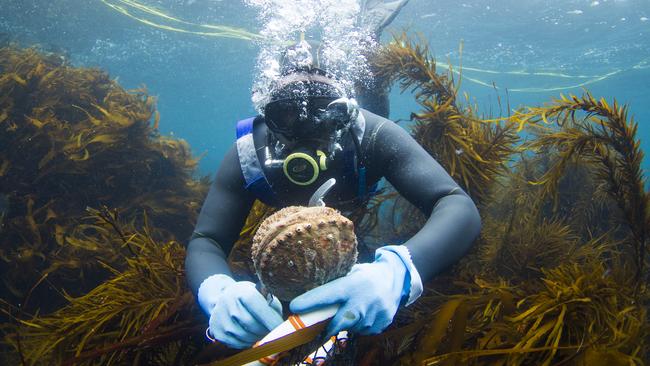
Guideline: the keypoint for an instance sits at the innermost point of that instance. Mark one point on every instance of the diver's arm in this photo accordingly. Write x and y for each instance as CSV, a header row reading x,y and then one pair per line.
x,y
453,220
222,216
238,314
370,294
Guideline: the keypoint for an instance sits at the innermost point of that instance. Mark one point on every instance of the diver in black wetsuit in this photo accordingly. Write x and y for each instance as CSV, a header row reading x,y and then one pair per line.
x,y
311,132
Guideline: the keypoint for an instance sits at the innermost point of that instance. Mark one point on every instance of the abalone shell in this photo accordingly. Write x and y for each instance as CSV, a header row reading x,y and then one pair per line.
x,y
299,248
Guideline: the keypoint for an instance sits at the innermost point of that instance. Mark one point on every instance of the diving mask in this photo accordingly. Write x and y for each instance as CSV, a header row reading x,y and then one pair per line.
x,y
315,117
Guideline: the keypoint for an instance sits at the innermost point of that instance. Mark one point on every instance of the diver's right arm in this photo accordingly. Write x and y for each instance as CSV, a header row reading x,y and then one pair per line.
x,y
239,314
222,216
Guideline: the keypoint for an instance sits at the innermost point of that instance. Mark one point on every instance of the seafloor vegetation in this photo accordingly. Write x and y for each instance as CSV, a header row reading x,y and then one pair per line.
x,y
95,206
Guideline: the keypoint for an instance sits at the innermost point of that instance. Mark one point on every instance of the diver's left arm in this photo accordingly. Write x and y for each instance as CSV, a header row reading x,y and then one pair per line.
x,y
369,296
453,220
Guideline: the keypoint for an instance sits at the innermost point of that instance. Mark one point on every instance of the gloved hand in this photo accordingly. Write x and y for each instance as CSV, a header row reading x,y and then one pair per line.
x,y
369,295
239,314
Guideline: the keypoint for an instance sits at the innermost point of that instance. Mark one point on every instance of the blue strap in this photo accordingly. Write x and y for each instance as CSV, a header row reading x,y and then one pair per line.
x,y
255,181
362,192
245,126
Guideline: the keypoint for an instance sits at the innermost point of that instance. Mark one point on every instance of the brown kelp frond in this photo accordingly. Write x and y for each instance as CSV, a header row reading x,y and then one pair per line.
x,y
581,203
410,63
141,307
473,152
514,202
455,321
603,137
521,253
510,272
73,138
520,236
589,307
579,312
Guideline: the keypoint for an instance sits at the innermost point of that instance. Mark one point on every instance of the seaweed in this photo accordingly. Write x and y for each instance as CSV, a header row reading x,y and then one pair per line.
x,y
142,306
473,153
581,311
73,138
604,139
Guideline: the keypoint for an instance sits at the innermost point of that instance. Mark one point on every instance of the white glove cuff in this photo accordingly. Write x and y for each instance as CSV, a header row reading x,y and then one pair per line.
x,y
210,289
415,285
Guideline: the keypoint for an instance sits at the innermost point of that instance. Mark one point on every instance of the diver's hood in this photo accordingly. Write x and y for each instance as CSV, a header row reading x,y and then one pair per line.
x,y
303,85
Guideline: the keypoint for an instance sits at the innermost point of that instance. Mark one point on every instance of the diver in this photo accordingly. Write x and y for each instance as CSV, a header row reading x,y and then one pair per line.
x,y
311,131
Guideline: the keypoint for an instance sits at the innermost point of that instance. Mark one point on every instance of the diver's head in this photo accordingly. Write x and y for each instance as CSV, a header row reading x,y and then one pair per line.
x,y
307,102
307,106
307,113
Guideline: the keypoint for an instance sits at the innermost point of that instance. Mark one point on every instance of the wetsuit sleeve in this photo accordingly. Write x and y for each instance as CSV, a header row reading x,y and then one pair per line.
x,y
219,223
453,220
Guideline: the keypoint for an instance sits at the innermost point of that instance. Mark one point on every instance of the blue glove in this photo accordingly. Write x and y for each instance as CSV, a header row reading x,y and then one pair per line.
x,y
239,314
369,295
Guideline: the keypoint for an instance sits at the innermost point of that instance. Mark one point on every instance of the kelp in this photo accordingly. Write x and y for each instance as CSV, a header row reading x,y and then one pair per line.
x,y
603,138
580,312
577,202
73,138
521,253
144,309
491,313
473,153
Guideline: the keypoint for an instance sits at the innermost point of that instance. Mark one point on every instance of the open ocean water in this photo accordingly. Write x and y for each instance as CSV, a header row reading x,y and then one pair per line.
x,y
536,49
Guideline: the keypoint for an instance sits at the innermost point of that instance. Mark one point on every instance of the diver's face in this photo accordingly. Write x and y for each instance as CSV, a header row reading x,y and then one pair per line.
x,y
303,118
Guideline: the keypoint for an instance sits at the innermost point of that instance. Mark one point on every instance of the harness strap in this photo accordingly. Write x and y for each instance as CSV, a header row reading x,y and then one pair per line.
x,y
254,177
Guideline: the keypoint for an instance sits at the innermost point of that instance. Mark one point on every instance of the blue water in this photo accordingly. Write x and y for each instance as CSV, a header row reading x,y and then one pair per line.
x,y
204,83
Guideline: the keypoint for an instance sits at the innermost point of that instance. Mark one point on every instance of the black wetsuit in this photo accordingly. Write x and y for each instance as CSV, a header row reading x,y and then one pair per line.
x,y
387,151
